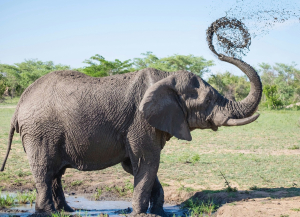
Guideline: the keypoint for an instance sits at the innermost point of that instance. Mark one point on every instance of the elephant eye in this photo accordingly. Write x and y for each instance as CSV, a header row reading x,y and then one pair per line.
x,y
207,100
194,95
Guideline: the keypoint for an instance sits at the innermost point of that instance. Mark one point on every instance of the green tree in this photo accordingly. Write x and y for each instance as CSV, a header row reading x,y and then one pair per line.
x,y
99,67
197,65
2,85
273,100
286,78
149,61
20,75
231,86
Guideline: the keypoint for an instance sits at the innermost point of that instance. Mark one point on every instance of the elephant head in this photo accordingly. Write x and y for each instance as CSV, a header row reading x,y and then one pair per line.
x,y
183,101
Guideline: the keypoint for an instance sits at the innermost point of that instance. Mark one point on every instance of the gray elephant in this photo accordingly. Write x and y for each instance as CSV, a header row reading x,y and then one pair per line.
x,y
67,119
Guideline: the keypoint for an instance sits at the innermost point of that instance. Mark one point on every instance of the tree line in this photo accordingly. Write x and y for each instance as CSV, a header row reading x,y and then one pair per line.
x,y
281,82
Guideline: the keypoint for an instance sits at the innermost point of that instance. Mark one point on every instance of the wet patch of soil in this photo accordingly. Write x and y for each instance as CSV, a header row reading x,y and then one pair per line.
x,y
259,202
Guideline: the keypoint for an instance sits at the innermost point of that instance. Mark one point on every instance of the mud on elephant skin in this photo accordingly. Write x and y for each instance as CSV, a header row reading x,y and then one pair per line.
x,y
67,119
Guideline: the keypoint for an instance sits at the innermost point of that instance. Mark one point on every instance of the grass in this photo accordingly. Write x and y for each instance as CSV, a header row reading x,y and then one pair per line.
x,y
60,214
20,198
164,184
8,102
189,158
294,147
253,188
187,189
27,197
129,186
264,153
120,190
78,214
76,183
227,185
7,201
98,194
198,207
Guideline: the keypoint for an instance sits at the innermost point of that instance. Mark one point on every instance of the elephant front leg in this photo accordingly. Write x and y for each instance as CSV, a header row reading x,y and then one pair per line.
x,y
157,199
144,178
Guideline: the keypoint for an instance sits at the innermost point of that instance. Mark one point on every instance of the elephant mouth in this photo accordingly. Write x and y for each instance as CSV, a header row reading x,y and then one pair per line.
x,y
202,122
213,126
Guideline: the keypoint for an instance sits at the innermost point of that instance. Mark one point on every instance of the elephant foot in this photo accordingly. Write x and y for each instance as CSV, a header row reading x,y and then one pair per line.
x,y
40,215
46,210
159,211
64,207
133,214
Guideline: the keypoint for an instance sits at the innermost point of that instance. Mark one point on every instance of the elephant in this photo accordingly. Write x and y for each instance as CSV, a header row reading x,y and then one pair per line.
x,y
67,119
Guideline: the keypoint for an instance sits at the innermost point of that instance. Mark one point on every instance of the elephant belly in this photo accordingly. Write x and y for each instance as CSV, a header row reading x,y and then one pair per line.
x,y
95,155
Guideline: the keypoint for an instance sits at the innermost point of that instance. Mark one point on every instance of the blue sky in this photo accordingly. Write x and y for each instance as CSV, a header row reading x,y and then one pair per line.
x,y
69,32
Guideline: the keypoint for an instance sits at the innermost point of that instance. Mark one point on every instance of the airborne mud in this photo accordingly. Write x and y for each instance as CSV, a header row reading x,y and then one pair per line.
x,y
248,19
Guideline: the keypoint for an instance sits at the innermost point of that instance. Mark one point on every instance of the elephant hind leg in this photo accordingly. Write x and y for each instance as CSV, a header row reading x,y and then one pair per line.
x,y
43,179
58,193
43,162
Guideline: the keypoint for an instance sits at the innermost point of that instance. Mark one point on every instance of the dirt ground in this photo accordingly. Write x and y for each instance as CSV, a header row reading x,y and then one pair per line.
x,y
286,207
281,202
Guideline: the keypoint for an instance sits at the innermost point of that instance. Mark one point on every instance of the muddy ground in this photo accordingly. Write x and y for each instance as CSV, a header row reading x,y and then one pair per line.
x,y
281,202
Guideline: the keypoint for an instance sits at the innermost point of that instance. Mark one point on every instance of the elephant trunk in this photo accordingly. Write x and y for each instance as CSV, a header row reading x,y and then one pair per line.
x,y
237,112
247,106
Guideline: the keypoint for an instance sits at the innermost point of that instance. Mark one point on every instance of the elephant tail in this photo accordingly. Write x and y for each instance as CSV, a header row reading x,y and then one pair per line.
x,y
11,135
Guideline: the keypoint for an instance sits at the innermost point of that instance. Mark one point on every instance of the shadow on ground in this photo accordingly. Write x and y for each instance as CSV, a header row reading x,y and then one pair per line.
x,y
232,197
221,197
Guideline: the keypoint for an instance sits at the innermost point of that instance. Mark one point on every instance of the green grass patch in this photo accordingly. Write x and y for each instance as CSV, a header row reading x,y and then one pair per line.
x,y
26,197
76,183
253,188
187,189
6,200
98,194
60,214
129,186
198,207
164,184
294,147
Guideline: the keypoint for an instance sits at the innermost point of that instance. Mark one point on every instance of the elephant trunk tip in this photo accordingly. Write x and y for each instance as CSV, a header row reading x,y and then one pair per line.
x,y
240,122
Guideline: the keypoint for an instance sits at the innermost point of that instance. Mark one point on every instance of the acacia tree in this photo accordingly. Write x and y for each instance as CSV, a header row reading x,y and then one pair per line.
x,y
20,75
194,64
99,67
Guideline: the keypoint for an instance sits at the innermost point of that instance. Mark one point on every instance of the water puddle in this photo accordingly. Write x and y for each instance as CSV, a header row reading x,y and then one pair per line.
x,y
86,207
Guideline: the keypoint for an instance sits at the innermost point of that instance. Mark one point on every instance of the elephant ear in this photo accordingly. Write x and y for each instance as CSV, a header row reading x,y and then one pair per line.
x,y
162,108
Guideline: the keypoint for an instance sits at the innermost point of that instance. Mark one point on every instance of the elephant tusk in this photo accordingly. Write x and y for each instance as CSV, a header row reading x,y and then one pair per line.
x,y
239,122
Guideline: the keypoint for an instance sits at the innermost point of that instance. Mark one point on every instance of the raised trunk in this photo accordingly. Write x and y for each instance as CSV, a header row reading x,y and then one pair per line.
x,y
247,106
